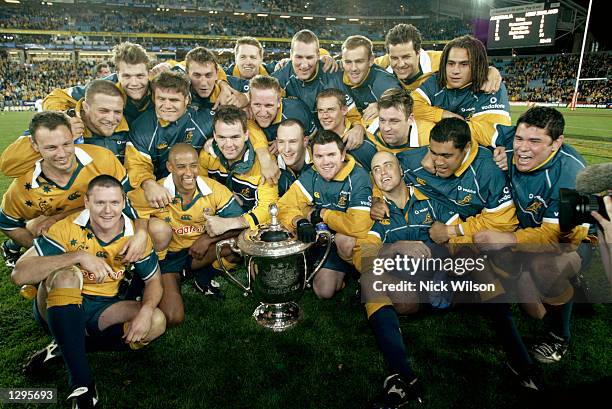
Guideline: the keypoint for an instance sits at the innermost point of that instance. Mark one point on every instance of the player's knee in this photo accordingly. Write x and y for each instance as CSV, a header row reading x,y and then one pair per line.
x,y
345,246
406,308
158,324
69,277
325,285
161,233
173,316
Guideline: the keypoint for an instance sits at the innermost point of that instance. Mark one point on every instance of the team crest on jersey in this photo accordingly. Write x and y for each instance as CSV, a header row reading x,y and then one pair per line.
x,y
102,254
246,192
385,222
466,200
343,200
74,196
317,195
189,136
162,145
534,207
421,181
44,205
428,219
185,217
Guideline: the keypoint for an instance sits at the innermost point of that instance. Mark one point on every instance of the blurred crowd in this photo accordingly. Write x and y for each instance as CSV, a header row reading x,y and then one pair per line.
x,y
552,78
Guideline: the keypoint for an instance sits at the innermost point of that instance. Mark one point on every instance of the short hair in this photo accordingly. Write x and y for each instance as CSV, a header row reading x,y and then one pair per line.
x,y
451,129
181,146
103,181
200,55
545,118
246,40
477,53
292,122
172,80
230,114
332,92
355,41
98,67
130,53
323,137
50,120
404,33
265,82
398,98
305,36
105,87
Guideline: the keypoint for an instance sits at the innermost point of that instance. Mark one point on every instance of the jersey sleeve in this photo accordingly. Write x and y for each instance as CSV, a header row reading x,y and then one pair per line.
x,y
265,195
491,110
52,242
138,157
225,203
63,99
422,96
18,158
148,265
256,135
295,202
13,211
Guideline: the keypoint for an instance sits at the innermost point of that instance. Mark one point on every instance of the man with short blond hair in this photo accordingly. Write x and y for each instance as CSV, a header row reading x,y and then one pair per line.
x,y
248,59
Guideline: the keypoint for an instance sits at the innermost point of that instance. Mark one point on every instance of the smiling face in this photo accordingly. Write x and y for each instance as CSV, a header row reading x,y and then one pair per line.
x,y
447,159
291,144
134,79
203,78
404,60
103,113
356,63
183,165
170,104
56,147
264,105
532,146
304,58
248,59
331,114
458,71
328,159
386,171
105,205
231,140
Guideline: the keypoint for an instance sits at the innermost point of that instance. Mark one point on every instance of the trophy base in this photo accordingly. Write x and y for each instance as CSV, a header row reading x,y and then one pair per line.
x,y
278,317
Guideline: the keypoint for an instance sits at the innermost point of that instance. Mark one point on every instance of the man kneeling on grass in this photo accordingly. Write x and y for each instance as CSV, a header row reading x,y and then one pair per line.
x,y
79,265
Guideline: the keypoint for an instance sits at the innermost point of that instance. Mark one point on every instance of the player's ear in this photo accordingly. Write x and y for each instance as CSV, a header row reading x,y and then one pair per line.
x,y
557,143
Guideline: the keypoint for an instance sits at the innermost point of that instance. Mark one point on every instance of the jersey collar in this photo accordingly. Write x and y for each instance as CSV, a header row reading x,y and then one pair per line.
x,y
347,81
469,158
80,154
83,220
201,184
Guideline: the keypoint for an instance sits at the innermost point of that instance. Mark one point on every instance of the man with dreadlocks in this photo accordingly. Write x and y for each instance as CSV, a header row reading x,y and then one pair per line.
x,y
454,91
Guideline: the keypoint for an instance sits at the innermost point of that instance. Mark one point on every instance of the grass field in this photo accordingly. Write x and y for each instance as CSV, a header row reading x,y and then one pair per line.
x,y
219,358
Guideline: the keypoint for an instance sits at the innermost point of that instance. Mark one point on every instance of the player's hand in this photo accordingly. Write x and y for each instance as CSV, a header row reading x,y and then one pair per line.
x,y
40,225
208,145
493,240
229,96
95,265
215,225
500,157
269,171
370,113
428,163
353,138
316,215
439,232
493,82
139,327
379,209
157,196
306,231
413,249
605,225
279,65
199,248
329,64
159,68
134,248
449,114
77,127
273,148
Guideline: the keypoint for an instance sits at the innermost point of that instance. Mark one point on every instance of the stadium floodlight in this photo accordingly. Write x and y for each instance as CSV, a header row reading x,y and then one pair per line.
x,y
353,19
308,17
262,15
330,18
285,16
12,1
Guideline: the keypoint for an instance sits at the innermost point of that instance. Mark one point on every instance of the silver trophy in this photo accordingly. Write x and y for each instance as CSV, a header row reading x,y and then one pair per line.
x,y
277,270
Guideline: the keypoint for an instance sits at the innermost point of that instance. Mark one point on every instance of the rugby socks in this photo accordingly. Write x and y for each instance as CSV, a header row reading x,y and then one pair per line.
x,y
204,275
111,339
559,317
66,322
506,330
386,329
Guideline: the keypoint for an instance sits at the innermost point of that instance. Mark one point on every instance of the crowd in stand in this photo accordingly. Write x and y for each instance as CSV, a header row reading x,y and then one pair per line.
x,y
552,78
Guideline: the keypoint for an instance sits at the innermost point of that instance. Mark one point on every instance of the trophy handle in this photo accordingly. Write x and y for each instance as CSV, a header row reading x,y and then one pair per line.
x,y
219,247
330,239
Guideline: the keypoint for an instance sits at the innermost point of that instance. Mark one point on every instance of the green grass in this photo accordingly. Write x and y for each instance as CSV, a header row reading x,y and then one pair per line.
x,y
219,358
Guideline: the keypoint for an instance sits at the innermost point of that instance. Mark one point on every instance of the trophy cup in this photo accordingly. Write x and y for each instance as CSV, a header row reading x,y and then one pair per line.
x,y
277,272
